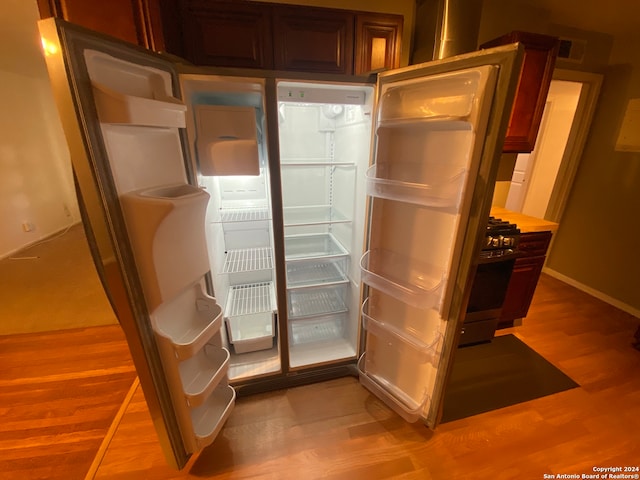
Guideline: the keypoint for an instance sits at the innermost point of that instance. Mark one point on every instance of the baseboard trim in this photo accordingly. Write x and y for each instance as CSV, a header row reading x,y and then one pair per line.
x,y
593,292
43,239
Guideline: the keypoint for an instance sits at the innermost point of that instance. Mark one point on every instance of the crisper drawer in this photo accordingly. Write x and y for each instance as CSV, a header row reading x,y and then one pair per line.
x,y
312,246
317,301
316,272
325,328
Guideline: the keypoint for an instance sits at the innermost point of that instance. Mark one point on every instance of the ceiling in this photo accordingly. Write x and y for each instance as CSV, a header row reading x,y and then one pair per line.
x,y
614,17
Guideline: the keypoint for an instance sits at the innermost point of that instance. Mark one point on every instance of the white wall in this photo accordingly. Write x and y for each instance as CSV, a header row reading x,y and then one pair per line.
x,y
36,183
562,102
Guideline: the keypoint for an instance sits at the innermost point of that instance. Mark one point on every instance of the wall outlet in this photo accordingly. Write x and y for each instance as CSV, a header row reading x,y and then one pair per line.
x,y
28,227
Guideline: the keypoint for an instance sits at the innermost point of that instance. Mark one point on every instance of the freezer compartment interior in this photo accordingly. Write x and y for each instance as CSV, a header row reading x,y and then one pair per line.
x,y
227,139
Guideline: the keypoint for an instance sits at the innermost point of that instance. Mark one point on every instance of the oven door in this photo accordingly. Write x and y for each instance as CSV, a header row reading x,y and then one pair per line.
x,y
486,298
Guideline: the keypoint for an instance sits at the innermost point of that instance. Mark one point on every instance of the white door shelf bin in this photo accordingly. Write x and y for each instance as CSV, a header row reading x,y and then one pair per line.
x,y
320,329
166,230
202,373
313,215
248,260
442,96
188,322
250,317
312,246
423,352
208,419
441,195
159,110
311,302
405,406
316,272
413,282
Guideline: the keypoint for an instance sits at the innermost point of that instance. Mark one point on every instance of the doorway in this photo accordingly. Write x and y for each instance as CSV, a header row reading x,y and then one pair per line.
x,y
542,180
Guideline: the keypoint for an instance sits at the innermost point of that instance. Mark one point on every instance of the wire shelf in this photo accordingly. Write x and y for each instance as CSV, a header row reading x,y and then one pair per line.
x,y
248,260
232,215
250,299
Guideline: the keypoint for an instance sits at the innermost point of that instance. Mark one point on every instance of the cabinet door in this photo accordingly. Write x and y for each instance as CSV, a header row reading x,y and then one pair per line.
x,y
378,42
135,21
313,40
522,286
227,34
535,78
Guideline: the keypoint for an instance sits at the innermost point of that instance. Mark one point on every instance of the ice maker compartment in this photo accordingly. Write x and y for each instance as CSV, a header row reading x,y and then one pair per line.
x,y
226,140
167,235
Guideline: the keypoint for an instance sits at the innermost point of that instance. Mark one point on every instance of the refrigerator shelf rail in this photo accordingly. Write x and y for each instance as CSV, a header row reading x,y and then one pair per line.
x,y
394,398
312,215
119,108
203,372
445,194
313,302
248,260
415,283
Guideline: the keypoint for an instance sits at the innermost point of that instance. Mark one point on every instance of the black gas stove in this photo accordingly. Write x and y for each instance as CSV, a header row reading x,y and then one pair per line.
x,y
493,273
501,238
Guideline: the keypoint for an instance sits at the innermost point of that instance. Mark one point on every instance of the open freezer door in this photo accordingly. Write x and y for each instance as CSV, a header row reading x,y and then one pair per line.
x,y
439,130
145,221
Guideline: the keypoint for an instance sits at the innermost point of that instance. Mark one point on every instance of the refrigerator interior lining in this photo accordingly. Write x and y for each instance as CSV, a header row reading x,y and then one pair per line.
x,y
324,136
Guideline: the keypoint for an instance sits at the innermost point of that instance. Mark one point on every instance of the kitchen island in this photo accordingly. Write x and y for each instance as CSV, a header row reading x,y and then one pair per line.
x,y
535,237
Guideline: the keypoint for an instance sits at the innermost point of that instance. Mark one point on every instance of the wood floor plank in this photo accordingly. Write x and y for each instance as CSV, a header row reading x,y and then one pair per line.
x,y
338,430
58,397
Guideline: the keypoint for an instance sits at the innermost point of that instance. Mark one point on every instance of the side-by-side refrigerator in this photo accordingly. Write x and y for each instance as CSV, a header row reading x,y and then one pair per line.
x,y
258,230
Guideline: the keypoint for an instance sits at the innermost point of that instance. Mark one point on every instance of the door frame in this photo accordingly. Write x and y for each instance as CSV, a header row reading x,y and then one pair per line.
x,y
591,83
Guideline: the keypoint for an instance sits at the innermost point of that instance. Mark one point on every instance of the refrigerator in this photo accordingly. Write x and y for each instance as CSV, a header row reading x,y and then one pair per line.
x,y
259,230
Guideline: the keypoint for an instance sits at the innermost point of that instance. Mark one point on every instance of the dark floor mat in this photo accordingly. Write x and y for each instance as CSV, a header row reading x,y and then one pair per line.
x,y
494,375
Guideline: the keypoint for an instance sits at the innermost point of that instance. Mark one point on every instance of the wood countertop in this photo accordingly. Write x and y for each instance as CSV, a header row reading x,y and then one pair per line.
x,y
525,223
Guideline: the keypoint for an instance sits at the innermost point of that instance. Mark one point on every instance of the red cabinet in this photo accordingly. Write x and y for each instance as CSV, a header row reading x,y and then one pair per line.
x,y
224,33
378,42
135,21
524,278
540,52
313,39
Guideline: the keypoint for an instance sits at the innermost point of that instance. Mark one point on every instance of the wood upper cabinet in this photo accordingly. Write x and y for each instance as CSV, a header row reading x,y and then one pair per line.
x,y
134,21
535,77
378,42
525,276
231,34
313,40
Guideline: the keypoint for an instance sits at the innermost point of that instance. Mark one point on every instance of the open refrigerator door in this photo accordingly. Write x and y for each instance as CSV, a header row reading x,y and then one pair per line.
x,y
145,216
438,131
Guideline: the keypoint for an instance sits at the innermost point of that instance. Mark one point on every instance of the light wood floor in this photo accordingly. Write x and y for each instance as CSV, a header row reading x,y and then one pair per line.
x,y
337,430
56,401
